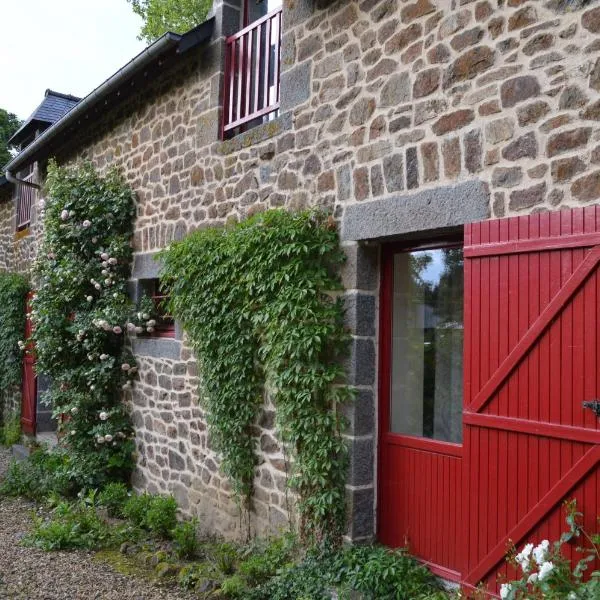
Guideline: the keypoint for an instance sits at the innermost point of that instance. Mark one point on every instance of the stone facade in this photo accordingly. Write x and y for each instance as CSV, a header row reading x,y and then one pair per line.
x,y
402,117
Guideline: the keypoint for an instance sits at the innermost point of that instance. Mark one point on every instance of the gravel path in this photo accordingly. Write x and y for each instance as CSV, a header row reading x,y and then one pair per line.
x,y
29,574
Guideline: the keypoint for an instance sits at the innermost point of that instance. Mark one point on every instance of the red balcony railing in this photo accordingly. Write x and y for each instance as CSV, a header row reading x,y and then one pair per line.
x,y
25,200
252,64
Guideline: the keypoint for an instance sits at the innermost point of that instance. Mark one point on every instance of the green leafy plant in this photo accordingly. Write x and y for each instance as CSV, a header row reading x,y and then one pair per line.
x,y
225,557
80,311
255,299
234,587
40,475
13,290
155,513
185,539
113,497
71,525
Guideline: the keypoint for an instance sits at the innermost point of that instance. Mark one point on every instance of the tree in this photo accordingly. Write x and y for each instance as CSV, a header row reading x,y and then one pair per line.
x,y
9,123
160,16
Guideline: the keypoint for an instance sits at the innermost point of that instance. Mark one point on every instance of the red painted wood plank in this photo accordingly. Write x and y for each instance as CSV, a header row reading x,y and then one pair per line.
x,y
538,327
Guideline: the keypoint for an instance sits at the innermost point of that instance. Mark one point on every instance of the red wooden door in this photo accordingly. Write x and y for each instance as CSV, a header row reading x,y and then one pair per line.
x,y
532,326
420,464
29,388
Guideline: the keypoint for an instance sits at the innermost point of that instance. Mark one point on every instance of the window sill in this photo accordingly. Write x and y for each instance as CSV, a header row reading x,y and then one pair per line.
x,y
22,233
257,134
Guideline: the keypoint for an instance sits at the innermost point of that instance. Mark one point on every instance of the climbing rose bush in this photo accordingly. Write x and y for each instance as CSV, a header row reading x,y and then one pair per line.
x,y
80,313
545,573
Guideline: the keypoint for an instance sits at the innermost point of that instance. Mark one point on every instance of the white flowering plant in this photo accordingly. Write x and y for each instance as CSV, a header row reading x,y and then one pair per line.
x,y
546,573
80,313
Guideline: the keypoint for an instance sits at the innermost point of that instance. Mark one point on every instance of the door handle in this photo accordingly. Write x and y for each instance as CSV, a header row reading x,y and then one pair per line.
x,y
594,405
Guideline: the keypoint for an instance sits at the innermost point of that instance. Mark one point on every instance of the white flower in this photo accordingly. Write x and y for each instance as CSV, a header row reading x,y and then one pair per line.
x,y
524,557
74,410
92,387
150,329
505,590
572,596
104,256
21,344
86,224
540,552
94,240
100,439
145,316
103,356
108,437
90,357
545,570
105,271
532,578
151,323
42,203
103,416
130,327
112,261
106,326
139,316
139,329
117,330
71,213
115,295
64,215
73,432
89,298
97,286
125,366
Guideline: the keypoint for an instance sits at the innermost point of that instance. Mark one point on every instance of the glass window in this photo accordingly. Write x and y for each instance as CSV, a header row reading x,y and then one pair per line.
x,y
427,344
259,8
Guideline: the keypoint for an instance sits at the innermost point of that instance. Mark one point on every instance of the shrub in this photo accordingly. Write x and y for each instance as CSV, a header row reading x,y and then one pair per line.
x,y
155,513
113,497
185,538
225,557
70,526
265,559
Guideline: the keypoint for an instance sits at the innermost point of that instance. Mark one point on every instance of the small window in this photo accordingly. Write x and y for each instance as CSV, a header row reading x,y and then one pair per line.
x,y
164,323
25,198
427,344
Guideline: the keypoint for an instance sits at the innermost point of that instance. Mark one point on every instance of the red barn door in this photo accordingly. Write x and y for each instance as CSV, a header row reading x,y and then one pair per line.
x,y
532,329
28,397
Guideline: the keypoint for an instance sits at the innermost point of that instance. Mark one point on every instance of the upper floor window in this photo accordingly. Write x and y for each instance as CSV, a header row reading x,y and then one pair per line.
x,y
162,323
25,199
252,68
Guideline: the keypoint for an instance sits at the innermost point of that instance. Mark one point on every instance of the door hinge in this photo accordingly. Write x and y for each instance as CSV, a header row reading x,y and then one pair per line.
x,y
594,405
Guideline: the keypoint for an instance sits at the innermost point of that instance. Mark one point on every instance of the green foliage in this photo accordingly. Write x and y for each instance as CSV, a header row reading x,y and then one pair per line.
x,y
160,16
42,474
10,431
255,300
235,587
71,525
155,513
9,124
113,497
225,557
266,558
80,313
13,290
185,538
377,572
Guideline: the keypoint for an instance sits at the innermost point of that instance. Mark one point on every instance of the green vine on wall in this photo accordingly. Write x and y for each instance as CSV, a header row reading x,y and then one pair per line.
x,y
80,315
256,301
13,290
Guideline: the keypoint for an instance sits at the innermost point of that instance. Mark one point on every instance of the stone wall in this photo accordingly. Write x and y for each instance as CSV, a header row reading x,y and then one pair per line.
x,y
401,117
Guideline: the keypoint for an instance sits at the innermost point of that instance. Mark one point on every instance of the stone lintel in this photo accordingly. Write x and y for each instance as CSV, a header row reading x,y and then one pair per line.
x,y
434,209
145,266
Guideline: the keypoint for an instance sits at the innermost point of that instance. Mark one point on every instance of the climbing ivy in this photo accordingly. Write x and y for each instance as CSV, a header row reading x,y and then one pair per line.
x,y
80,313
256,301
13,289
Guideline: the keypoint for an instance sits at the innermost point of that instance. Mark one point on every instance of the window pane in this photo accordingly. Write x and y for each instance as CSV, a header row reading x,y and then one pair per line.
x,y
427,344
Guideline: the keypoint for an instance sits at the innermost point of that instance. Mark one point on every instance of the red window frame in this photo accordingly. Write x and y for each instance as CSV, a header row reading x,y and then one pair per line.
x,y
165,323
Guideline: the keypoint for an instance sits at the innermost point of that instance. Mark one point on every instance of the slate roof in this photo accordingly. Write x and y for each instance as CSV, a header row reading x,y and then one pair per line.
x,y
54,106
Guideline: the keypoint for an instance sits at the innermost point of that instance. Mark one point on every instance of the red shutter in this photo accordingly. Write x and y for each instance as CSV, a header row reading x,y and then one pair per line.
x,y
532,325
